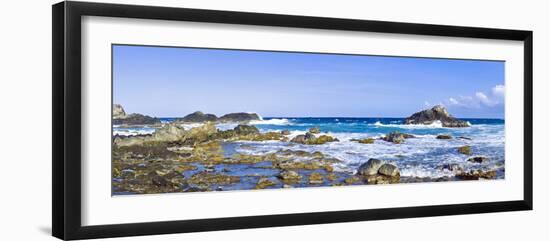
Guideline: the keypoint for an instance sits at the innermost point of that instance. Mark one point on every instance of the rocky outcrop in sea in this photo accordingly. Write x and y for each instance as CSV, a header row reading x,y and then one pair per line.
x,y
239,117
198,116
121,118
436,113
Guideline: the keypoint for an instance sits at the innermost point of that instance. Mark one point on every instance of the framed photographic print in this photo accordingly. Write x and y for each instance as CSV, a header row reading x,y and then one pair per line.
x,y
170,120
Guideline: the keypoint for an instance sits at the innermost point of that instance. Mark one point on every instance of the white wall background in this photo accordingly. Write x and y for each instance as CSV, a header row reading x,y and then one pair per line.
x,y
25,121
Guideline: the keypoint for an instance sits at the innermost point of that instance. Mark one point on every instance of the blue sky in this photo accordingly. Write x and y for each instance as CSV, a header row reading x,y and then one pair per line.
x,y
172,82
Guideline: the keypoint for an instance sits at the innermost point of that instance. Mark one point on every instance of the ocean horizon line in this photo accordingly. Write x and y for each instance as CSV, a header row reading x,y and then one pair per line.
x,y
345,117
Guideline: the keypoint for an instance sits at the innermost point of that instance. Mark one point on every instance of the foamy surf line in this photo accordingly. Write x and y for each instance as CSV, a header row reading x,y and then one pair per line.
x,y
435,124
283,121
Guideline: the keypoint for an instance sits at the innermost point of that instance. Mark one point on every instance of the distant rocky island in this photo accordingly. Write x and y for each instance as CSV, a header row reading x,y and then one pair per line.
x,y
121,118
436,113
198,116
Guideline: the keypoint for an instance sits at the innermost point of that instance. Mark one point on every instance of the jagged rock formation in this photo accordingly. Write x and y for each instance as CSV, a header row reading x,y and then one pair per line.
x,y
436,113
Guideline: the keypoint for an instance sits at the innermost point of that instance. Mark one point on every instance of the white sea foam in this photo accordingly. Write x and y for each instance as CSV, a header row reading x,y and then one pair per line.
x,y
188,126
226,126
132,132
435,124
270,122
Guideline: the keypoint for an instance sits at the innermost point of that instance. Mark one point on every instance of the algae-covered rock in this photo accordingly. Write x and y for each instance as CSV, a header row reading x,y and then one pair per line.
x,y
444,137
477,174
289,175
264,182
396,137
168,133
315,178
352,180
314,130
332,177
199,134
246,130
466,150
310,139
368,140
382,179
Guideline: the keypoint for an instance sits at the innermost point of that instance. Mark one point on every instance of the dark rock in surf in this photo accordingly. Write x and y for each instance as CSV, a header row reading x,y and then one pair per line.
x,y
389,170
478,159
444,137
396,137
370,167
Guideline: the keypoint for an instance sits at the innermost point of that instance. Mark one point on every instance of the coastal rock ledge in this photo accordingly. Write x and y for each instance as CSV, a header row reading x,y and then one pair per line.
x,y
436,113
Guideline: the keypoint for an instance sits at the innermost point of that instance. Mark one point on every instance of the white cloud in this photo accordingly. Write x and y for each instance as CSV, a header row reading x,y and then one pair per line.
x,y
498,91
484,99
453,101
479,99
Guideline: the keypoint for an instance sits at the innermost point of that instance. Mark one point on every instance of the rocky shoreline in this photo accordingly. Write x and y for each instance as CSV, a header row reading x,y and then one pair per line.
x,y
175,159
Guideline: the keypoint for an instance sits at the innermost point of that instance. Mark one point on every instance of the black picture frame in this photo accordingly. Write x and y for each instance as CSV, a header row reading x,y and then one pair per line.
x,y
66,159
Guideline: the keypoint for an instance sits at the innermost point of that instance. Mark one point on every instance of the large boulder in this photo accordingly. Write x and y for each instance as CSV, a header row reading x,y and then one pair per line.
x,y
239,117
136,119
389,170
200,134
436,113
246,130
118,112
198,116
396,137
172,133
168,133
370,167
310,139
